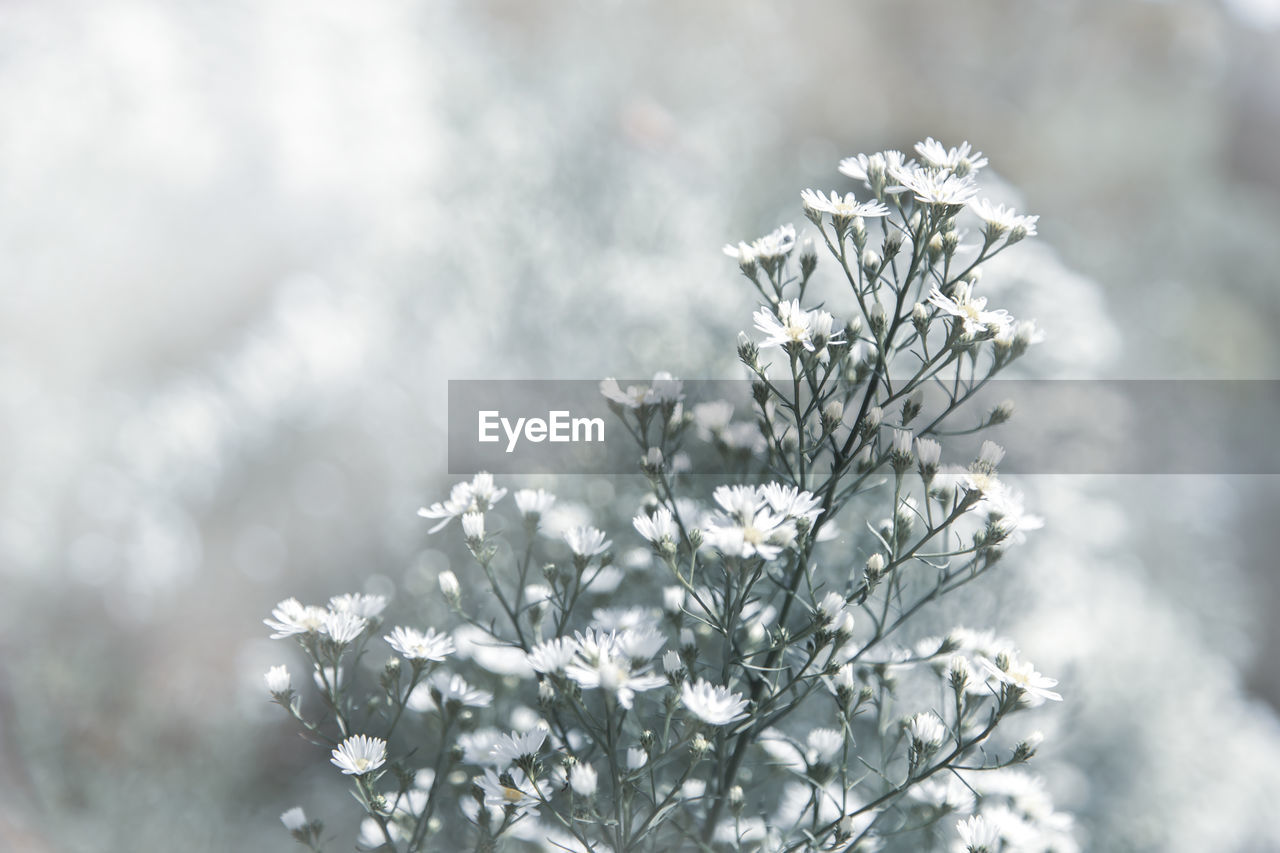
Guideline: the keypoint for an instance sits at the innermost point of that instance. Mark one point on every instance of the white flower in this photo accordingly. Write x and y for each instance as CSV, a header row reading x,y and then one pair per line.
x,y
1022,675
586,542
673,599
416,645
1003,220
789,324
712,417
473,525
534,502
671,663
278,680
366,606
290,617
844,208
516,748
747,528
713,704
450,687
874,170
831,606
664,389
771,247
552,656
449,585
583,780
512,789
603,662
792,502
978,835
294,819
929,452
936,187
926,730
659,527
960,161
990,455
477,496
971,310
641,643
902,441
359,754
636,758
343,626
824,744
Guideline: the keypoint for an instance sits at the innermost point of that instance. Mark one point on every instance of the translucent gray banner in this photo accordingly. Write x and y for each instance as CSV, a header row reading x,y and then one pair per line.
x,y
1057,427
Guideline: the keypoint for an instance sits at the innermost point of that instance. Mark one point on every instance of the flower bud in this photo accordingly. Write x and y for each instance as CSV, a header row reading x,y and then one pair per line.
x,y
871,420
279,681
808,258
874,569
920,318
449,587
870,262
1002,412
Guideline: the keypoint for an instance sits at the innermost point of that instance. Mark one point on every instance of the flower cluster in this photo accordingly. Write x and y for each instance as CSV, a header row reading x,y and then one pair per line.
x,y
747,671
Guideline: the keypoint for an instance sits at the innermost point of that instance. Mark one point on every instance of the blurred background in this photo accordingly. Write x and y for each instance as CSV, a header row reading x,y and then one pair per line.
x,y
245,245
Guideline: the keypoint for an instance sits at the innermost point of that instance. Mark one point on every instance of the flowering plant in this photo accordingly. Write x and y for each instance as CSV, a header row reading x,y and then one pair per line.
x,y
780,687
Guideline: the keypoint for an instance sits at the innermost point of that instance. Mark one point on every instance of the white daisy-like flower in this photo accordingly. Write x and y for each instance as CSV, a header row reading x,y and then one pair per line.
x,y
657,528
512,790
1000,220
841,207
747,528
359,754
477,496
928,452
449,585
518,747
619,619
534,502
365,606
344,626
294,819
772,247
664,388
961,161
824,745
971,310
831,606
874,170
602,662
789,324
936,187
926,730
712,417
552,656
712,703
587,542
417,645
792,502
291,617
1022,675
278,680
671,662
641,643
583,779
978,834
453,688
473,525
